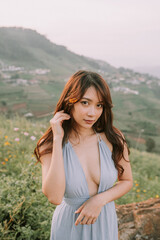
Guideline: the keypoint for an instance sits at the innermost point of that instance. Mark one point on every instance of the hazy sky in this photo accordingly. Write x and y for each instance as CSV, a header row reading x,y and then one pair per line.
x,y
122,32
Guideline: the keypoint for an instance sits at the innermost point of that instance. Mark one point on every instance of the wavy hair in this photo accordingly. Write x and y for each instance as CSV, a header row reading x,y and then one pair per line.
x,y
75,88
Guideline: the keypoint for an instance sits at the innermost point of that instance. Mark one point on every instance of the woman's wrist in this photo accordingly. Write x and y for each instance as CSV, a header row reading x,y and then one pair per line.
x,y
57,139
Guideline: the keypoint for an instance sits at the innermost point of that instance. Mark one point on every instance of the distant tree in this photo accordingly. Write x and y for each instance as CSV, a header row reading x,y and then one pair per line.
x,y
15,76
3,103
150,145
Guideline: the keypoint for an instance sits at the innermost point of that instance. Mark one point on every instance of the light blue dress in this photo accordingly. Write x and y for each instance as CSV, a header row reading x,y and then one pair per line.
x,y
76,193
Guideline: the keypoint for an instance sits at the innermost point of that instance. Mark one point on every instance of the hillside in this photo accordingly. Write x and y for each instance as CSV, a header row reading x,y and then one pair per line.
x,y
25,211
33,72
29,49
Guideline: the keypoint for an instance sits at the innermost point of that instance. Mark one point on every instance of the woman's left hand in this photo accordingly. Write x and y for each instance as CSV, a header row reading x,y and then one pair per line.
x,y
90,210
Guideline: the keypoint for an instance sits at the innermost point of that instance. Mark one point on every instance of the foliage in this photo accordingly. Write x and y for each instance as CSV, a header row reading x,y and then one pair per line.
x,y
150,144
25,212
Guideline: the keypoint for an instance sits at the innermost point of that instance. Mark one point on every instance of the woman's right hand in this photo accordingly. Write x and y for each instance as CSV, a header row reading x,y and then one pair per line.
x,y
56,123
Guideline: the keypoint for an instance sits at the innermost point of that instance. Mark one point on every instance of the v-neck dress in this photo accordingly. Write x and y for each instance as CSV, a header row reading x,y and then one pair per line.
x,y
76,193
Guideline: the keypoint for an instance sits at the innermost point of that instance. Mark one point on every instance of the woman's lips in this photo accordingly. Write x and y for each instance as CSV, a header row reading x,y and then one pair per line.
x,y
89,121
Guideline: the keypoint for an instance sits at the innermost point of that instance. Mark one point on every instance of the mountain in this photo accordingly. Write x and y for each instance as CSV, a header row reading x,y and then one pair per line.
x,y
153,70
29,49
33,72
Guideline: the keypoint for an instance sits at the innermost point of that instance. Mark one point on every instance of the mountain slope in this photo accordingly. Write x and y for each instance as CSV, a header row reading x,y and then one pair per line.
x,y
36,87
27,48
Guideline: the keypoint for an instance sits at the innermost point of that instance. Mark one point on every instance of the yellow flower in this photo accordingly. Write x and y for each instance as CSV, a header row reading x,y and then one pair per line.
x,y
73,100
137,184
3,163
138,190
135,181
157,196
10,156
6,137
6,143
6,159
144,190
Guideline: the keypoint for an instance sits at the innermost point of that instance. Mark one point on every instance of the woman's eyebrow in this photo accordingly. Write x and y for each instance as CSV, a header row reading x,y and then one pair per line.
x,y
90,99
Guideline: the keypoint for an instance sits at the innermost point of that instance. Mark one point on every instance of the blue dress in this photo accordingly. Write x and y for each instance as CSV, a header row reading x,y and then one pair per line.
x,y
76,193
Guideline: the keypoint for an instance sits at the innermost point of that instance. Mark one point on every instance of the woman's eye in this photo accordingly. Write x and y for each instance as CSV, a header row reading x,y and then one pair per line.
x,y
100,105
84,102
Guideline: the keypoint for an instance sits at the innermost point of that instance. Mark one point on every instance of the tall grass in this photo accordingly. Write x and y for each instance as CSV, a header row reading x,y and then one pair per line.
x,y
25,213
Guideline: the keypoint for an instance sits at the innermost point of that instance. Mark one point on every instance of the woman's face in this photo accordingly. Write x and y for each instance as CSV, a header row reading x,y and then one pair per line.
x,y
87,111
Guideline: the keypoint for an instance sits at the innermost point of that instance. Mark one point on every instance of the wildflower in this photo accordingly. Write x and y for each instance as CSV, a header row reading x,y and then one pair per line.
x,y
6,137
33,138
6,143
16,139
137,184
26,133
73,100
3,163
6,159
157,196
10,156
135,181
16,129
144,190
138,190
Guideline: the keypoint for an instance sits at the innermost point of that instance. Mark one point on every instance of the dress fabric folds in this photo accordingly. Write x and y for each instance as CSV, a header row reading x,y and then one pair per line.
x,y
76,193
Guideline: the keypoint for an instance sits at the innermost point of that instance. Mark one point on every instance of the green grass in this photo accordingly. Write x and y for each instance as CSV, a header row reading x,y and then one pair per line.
x,y
25,212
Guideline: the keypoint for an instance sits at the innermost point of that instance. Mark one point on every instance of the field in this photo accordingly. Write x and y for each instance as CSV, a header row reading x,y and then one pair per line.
x,y
25,212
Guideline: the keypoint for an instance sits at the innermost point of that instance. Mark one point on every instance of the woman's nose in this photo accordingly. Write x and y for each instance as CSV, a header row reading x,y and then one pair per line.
x,y
91,111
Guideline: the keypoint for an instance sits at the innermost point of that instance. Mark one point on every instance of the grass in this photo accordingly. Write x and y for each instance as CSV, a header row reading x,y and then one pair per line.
x,y
25,212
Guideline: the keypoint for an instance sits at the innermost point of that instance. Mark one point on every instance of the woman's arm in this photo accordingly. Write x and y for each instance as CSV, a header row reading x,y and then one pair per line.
x,y
124,184
53,174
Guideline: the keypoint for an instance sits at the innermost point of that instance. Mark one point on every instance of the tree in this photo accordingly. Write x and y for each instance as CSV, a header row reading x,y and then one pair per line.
x,y
150,145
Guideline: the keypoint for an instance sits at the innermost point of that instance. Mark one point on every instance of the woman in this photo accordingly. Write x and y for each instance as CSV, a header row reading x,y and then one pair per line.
x,y
82,156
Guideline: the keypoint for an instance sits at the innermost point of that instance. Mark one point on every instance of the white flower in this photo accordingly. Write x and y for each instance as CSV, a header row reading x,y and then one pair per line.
x,y
16,139
26,133
32,138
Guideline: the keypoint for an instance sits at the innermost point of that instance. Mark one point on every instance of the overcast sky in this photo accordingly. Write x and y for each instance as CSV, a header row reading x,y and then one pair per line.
x,y
122,32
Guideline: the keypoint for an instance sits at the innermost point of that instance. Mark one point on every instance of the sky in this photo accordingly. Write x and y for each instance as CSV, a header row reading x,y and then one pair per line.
x,y
124,33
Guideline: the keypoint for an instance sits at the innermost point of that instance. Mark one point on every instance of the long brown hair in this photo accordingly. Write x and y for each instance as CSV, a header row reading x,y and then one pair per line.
x,y
75,88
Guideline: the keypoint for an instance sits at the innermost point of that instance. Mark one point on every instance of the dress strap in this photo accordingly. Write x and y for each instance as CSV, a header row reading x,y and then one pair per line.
x,y
98,135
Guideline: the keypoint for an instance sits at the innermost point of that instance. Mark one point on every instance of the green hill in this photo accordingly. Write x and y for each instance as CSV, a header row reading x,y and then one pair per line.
x,y
29,49
33,72
26,213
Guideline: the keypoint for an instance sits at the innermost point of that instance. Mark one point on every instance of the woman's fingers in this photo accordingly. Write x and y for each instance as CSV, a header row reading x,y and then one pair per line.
x,y
85,220
79,219
58,115
89,221
93,220
56,123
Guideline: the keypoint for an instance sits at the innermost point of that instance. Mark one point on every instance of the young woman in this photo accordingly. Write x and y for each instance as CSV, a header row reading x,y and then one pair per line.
x,y
85,164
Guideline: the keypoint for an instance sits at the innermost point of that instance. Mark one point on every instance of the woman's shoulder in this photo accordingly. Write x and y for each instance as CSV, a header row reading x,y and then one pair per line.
x,y
105,139
44,145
